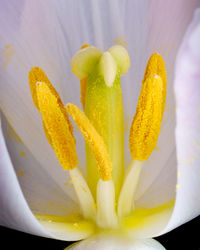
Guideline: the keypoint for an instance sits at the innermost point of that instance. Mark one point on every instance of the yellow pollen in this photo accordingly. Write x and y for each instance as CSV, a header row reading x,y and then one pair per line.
x,y
37,75
85,46
56,126
83,84
22,154
94,140
146,124
156,65
20,173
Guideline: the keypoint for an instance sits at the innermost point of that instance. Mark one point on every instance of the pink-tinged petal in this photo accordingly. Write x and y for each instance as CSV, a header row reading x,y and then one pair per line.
x,y
187,93
167,22
14,211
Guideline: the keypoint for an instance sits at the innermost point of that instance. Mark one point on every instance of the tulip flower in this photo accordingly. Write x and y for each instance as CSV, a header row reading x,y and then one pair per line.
x,y
122,166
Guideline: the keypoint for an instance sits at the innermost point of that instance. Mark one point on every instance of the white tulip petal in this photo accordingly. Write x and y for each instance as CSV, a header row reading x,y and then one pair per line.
x,y
187,91
47,34
40,190
27,33
116,242
15,212
166,25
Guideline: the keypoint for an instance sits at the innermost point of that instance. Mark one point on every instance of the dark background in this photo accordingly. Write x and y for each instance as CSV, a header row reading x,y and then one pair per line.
x,y
186,237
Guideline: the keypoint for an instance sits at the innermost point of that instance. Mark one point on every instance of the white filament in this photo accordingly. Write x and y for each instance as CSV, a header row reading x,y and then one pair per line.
x,y
83,193
126,198
106,215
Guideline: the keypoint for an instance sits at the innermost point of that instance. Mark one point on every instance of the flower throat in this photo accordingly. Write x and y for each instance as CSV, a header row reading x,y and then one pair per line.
x,y
108,193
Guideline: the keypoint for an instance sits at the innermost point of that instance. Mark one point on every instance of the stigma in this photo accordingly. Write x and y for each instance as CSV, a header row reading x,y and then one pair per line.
x,y
107,194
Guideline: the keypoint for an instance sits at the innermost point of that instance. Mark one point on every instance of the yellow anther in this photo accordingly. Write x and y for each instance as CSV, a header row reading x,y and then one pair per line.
x,y
83,85
56,126
156,65
37,75
85,46
146,124
94,140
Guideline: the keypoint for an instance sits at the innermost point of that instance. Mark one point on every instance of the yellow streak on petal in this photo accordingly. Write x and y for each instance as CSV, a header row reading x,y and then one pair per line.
x,y
8,52
57,127
83,85
143,218
67,227
94,140
146,124
156,65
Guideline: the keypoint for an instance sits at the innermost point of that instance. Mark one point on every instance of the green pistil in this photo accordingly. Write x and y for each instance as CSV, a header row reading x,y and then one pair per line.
x,y
104,105
104,108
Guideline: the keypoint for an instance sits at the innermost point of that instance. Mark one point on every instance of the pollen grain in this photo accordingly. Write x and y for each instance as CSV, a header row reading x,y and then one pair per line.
x,y
83,85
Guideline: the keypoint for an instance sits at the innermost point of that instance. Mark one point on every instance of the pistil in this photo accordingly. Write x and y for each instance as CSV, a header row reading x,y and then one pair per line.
x,y
101,97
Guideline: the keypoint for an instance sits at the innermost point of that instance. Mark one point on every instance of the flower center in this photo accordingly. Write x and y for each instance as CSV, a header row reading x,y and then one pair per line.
x,y
108,194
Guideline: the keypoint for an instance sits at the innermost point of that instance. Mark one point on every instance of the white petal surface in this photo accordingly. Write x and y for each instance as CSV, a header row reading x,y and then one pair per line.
x,y
14,212
39,189
116,242
24,39
187,91
47,34
167,22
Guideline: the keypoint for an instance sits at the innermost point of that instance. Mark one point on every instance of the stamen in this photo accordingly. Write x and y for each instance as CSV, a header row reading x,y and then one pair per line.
x,y
57,127
156,65
94,140
146,124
